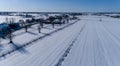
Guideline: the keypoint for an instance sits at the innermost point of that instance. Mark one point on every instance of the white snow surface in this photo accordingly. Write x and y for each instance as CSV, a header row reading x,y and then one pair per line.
x,y
98,44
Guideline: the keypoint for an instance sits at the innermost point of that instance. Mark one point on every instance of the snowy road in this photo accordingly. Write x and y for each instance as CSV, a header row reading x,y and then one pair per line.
x,y
97,44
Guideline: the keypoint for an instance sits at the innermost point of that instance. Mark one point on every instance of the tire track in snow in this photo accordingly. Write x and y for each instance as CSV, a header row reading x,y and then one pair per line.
x,y
73,59
85,52
112,35
110,49
67,51
57,53
82,45
112,46
103,38
100,46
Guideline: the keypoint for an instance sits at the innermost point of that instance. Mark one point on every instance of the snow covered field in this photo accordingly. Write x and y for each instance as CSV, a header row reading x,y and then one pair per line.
x,y
17,18
87,42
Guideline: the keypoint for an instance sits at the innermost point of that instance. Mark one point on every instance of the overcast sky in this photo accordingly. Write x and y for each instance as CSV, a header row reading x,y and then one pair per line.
x,y
61,5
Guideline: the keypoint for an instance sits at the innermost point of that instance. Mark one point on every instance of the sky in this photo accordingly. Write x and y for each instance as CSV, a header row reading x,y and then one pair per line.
x,y
60,5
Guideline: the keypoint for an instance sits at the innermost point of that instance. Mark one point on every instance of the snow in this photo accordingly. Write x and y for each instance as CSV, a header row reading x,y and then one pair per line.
x,y
98,45
17,18
91,42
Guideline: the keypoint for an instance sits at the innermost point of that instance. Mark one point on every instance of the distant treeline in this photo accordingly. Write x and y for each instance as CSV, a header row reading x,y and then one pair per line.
x,y
72,13
108,14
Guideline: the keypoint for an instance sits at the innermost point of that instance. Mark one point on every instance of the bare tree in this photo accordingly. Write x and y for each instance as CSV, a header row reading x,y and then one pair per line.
x,y
26,28
67,18
9,20
12,20
10,36
63,21
6,20
60,19
28,22
10,30
40,22
39,29
26,25
51,18
22,22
